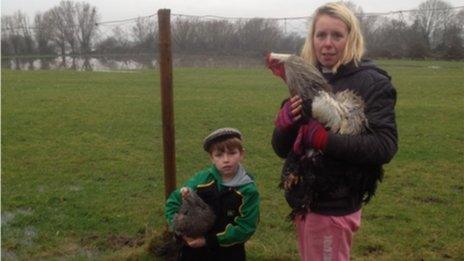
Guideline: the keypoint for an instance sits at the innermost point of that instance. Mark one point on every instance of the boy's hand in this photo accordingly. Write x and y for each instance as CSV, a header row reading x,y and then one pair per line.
x,y
184,192
195,242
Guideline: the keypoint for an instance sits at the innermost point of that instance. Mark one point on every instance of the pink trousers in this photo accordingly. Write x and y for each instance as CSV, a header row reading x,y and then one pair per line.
x,y
326,237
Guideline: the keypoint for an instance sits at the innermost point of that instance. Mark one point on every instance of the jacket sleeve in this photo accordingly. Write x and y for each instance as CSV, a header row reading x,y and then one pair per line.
x,y
245,223
379,143
172,206
282,141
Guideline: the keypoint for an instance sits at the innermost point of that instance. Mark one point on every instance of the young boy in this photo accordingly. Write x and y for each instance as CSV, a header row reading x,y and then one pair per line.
x,y
231,193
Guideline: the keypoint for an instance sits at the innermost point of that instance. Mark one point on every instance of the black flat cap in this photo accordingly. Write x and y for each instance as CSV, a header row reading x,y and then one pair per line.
x,y
220,135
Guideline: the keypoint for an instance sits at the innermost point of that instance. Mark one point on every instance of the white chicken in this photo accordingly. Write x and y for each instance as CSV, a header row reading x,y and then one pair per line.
x,y
341,112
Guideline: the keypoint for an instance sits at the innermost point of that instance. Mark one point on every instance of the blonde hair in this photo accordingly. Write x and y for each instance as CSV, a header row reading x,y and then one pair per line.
x,y
354,48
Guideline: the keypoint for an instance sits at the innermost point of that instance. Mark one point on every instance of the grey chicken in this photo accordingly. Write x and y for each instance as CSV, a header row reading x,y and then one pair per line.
x,y
341,112
195,218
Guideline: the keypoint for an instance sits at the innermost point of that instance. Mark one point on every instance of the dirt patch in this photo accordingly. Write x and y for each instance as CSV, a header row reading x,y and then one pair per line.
x,y
163,246
374,249
447,256
120,241
457,188
113,241
430,200
86,241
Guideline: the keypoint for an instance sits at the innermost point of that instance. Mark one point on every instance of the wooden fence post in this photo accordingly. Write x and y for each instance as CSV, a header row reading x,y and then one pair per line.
x,y
167,107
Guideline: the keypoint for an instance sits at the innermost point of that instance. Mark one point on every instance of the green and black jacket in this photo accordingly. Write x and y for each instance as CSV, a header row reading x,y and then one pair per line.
x,y
236,208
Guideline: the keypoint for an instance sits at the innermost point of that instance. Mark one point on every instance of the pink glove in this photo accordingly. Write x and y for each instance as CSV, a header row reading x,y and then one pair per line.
x,y
310,135
289,113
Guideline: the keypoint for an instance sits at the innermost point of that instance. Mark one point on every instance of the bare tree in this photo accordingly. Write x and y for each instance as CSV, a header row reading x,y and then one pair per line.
x,y
10,43
452,42
17,34
71,27
290,43
357,10
459,18
370,26
145,33
184,34
120,35
216,36
57,25
23,24
417,43
6,48
432,17
257,36
87,19
43,34
63,17
116,43
67,9
452,45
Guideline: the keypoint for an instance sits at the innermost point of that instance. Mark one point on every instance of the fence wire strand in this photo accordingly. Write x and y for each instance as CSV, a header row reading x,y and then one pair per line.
x,y
211,40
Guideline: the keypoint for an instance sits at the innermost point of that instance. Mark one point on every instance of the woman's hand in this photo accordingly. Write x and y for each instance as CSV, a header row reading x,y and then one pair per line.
x,y
290,113
195,242
310,135
296,107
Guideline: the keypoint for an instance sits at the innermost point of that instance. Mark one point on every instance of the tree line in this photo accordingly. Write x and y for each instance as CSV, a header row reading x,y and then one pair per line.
x,y
435,29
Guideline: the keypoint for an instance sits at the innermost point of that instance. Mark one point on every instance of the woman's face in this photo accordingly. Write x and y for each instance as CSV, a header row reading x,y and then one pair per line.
x,y
330,37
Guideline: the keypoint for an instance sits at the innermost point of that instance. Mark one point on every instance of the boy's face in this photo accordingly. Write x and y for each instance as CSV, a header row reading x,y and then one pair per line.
x,y
227,161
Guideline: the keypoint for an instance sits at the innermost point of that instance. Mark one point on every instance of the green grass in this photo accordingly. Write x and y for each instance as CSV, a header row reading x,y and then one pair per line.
x,y
82,163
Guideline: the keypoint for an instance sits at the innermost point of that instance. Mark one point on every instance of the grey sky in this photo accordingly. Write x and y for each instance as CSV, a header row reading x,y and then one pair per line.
x,y
118,9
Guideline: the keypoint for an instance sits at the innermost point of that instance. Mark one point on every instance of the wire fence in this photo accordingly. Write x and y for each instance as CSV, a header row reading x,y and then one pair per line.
x,y
217,41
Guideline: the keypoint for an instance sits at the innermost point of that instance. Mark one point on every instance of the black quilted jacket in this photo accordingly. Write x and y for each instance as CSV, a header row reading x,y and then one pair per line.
x,y
347,172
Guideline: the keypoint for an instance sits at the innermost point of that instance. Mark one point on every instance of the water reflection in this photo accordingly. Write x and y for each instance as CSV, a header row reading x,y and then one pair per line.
x,y
77,63
124,63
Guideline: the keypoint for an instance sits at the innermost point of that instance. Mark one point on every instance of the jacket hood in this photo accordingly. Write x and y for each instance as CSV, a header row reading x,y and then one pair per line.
x,y
240,178
350,68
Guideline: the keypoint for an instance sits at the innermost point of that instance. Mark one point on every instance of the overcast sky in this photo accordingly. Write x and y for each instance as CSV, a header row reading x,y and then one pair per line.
x,y
117,9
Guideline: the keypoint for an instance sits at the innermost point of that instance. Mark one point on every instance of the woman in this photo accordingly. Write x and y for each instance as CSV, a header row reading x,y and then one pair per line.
x,y
345,173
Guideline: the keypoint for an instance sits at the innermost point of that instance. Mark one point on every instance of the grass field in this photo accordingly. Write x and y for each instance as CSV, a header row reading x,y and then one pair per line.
x,y
82,173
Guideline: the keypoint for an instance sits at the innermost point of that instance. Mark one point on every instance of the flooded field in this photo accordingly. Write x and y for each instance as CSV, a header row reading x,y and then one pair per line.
x,y
124,62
